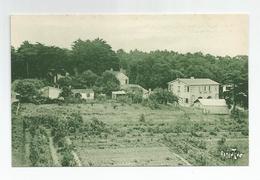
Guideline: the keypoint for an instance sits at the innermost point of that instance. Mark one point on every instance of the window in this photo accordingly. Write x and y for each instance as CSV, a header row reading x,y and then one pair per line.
x,y
179,88
88,94
188,89
186,100
205,88
209,88
126,81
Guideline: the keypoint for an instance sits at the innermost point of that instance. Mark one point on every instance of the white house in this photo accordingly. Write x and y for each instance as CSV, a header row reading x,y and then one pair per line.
x,y
87,94
212,106
116,94
122,78
50,92
189,90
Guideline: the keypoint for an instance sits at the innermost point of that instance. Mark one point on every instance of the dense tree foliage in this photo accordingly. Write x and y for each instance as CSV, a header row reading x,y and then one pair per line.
x,y
88,60
107,83
163,96
28,89
95,55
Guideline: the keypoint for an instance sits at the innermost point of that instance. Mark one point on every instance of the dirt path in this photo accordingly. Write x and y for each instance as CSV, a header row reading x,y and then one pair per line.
x,y
54,155
181,158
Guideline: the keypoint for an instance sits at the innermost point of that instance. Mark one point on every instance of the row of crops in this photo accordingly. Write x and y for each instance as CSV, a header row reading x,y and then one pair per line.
x,y
38,129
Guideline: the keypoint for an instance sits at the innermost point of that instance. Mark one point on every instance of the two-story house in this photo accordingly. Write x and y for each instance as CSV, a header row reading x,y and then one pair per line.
x,y
189,90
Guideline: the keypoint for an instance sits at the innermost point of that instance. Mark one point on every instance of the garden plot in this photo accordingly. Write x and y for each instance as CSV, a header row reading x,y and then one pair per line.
x,y
136,156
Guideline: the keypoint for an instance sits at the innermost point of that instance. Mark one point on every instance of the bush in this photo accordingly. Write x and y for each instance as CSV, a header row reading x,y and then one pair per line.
x,y
28,89
66,92
96,127
67,159
124,100
163,96
142,118
136,97
213,133
153,104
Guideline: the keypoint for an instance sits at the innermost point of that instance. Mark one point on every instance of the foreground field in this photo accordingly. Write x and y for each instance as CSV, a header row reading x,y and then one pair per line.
x,y
115,134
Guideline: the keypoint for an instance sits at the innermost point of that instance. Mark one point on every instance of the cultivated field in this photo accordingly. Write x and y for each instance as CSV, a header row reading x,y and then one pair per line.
x,y
119,134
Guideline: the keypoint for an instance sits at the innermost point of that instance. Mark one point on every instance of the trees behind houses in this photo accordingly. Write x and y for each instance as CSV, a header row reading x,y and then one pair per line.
x,y
88,60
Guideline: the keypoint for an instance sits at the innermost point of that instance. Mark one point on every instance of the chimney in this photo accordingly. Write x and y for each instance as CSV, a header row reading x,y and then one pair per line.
x,y
192,77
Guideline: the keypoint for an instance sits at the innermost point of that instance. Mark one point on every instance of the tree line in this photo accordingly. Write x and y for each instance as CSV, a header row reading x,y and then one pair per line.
x,y
87,61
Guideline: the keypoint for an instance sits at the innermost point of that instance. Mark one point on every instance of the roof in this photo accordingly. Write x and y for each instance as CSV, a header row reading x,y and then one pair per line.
x,y
196,81
212,102
134,86
118,73
49,87
118,92
82,90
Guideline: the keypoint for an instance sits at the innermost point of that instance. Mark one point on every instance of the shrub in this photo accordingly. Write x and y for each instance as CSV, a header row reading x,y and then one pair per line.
x,y
66,92
124,100
136,97
28,89
244,132
96,127
67,159
213,133
142,118
163,96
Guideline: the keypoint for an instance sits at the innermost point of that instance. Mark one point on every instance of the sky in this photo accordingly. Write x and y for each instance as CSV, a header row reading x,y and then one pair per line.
x,y
208,33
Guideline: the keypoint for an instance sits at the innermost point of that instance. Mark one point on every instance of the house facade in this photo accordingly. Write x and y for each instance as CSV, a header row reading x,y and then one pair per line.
x,y
86,94
122,78
188,90
50,92
116,94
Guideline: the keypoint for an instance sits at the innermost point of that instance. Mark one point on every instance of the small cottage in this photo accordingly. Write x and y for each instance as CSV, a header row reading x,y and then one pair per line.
x,y
50,92
135,88
87,94
212,106
116,94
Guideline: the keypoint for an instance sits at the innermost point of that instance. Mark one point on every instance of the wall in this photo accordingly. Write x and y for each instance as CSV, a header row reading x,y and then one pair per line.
x,y
195,91
122,78
54,93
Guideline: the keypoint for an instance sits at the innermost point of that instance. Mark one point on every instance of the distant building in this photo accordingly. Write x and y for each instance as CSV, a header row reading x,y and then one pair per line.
x,y
120,75
116,94
14,97
226,87
87,94
212,106
189,90
55,76
51,92
135,88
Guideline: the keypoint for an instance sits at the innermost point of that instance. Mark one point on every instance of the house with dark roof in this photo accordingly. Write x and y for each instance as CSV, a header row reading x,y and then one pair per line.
x,y
188,90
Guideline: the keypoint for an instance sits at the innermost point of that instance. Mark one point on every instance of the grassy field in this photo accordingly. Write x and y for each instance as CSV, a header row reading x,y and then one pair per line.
x,y
135,135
